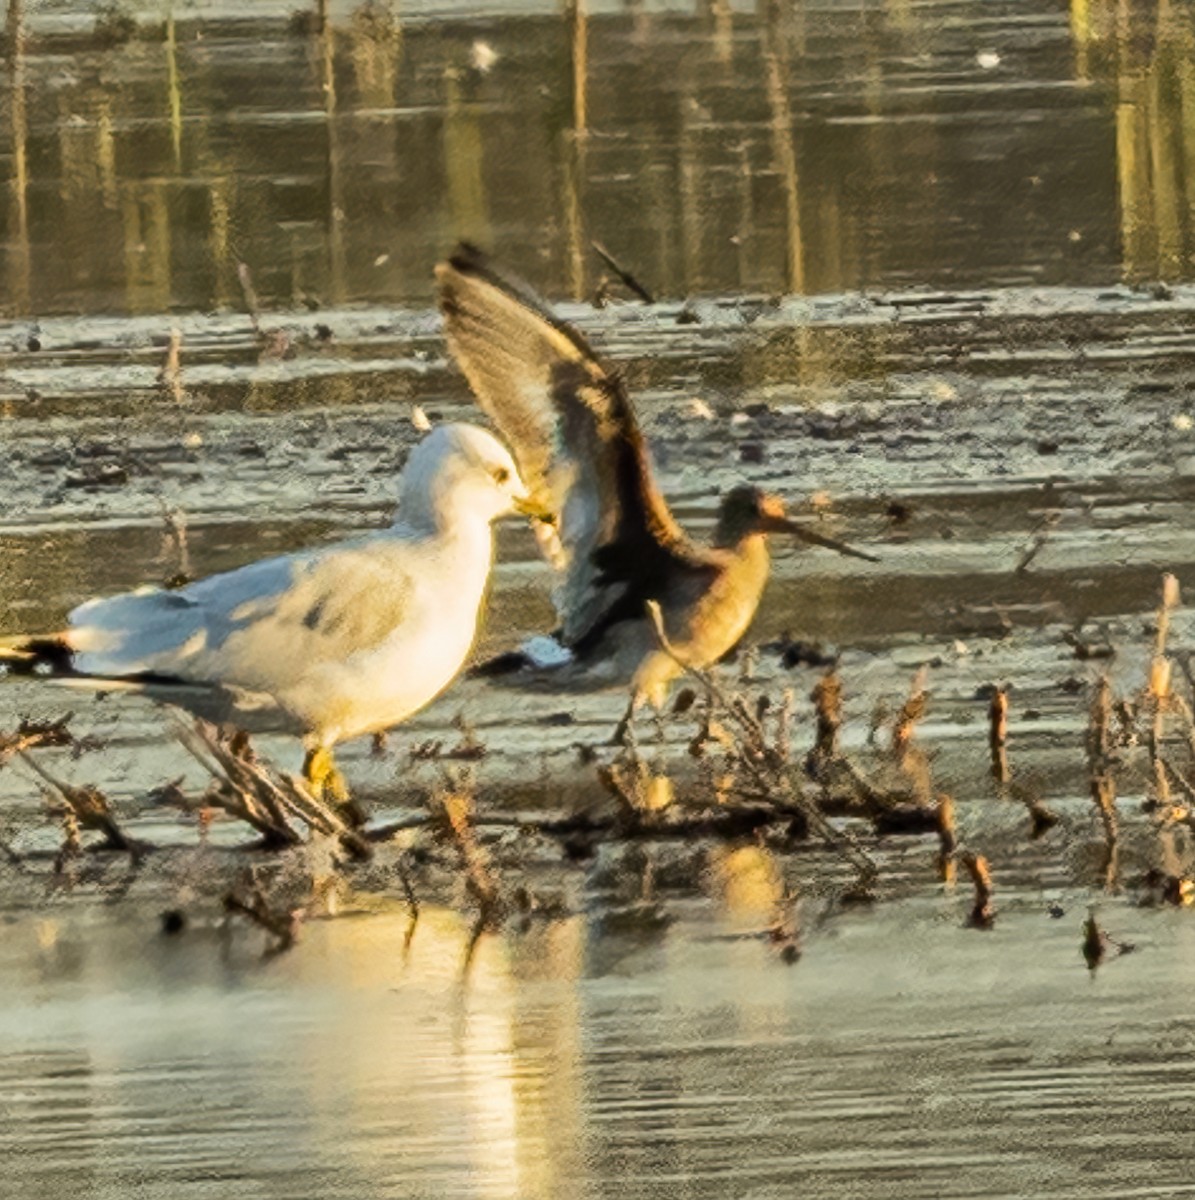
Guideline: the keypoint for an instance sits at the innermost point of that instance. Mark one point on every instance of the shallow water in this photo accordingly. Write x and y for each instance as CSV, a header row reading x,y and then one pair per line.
x,y
904,1056
964,283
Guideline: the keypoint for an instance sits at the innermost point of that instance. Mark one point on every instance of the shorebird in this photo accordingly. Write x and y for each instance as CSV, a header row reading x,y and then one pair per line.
x,y
615,545
329,643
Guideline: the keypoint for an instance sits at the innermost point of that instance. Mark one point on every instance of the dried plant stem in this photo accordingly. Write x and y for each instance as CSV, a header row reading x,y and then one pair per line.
x,y
983,914
827,700
1099,728
1103,793
911,712
998,735
30,735
767,781
629,281
262,801
88,806
284,928
245,276
170,377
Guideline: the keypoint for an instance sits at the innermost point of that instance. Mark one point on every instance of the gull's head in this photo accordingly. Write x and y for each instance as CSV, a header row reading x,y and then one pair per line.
x,y
460,473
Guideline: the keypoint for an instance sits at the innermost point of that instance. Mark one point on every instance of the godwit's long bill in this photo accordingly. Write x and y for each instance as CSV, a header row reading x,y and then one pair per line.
x,y
580,451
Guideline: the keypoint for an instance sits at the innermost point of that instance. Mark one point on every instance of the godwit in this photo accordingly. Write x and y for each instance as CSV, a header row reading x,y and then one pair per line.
x,y
616,545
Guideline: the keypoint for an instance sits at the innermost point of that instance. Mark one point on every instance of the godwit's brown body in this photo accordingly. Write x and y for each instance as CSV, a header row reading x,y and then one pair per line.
x,y
582,455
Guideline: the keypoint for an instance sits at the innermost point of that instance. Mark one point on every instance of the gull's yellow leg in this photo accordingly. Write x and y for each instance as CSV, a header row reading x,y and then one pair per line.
x,y
326,782
323,776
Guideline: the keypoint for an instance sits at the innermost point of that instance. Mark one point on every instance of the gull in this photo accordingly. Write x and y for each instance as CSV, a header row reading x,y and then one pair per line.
x,y
329,643
615,545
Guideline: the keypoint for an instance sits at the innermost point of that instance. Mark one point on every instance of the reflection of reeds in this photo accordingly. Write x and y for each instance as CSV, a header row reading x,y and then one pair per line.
x,y
574,151
575,145
1155,143
19,278
376,44
691,196
578,24
745,233
105,152
335,212
723,16
786,163
146,225
463,161
1081,34
219,239
174,91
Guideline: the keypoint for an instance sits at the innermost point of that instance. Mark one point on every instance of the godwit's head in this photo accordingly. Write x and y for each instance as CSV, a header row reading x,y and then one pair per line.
x,y
747,512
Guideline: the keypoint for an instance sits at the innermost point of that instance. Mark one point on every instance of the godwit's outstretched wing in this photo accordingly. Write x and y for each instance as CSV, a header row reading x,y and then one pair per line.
x,y
578,446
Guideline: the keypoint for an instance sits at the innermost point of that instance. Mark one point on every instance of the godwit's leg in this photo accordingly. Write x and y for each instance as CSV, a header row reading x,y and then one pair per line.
x,y
623,731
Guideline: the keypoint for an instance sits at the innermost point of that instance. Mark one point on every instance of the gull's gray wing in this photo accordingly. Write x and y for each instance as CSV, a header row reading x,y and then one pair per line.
x,y
265,627
579,448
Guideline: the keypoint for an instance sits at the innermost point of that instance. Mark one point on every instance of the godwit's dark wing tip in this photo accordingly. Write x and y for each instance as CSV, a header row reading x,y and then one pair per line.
x,y
467,265
468,257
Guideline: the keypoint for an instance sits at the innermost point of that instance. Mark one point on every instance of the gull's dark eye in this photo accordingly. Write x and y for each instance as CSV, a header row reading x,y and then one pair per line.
x,y
501,475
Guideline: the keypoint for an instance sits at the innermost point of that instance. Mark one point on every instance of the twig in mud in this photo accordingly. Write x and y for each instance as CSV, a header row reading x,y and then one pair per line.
x,y
827,700
1099,727
1159,703
175,534
910,713
283,927
1171,599
89,807
170,377
1037,540
1103,793
1173,777
1043,819
1161,698
251,306
784,720
262,813
640,794
947,838
412,900
262,799
30,735
71,848
1096,942
998,734
767,770
785,931
629,281
11,856
454,813
983,913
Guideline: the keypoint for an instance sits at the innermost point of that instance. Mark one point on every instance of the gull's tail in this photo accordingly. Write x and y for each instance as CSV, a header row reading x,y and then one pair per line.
x,y
45,654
